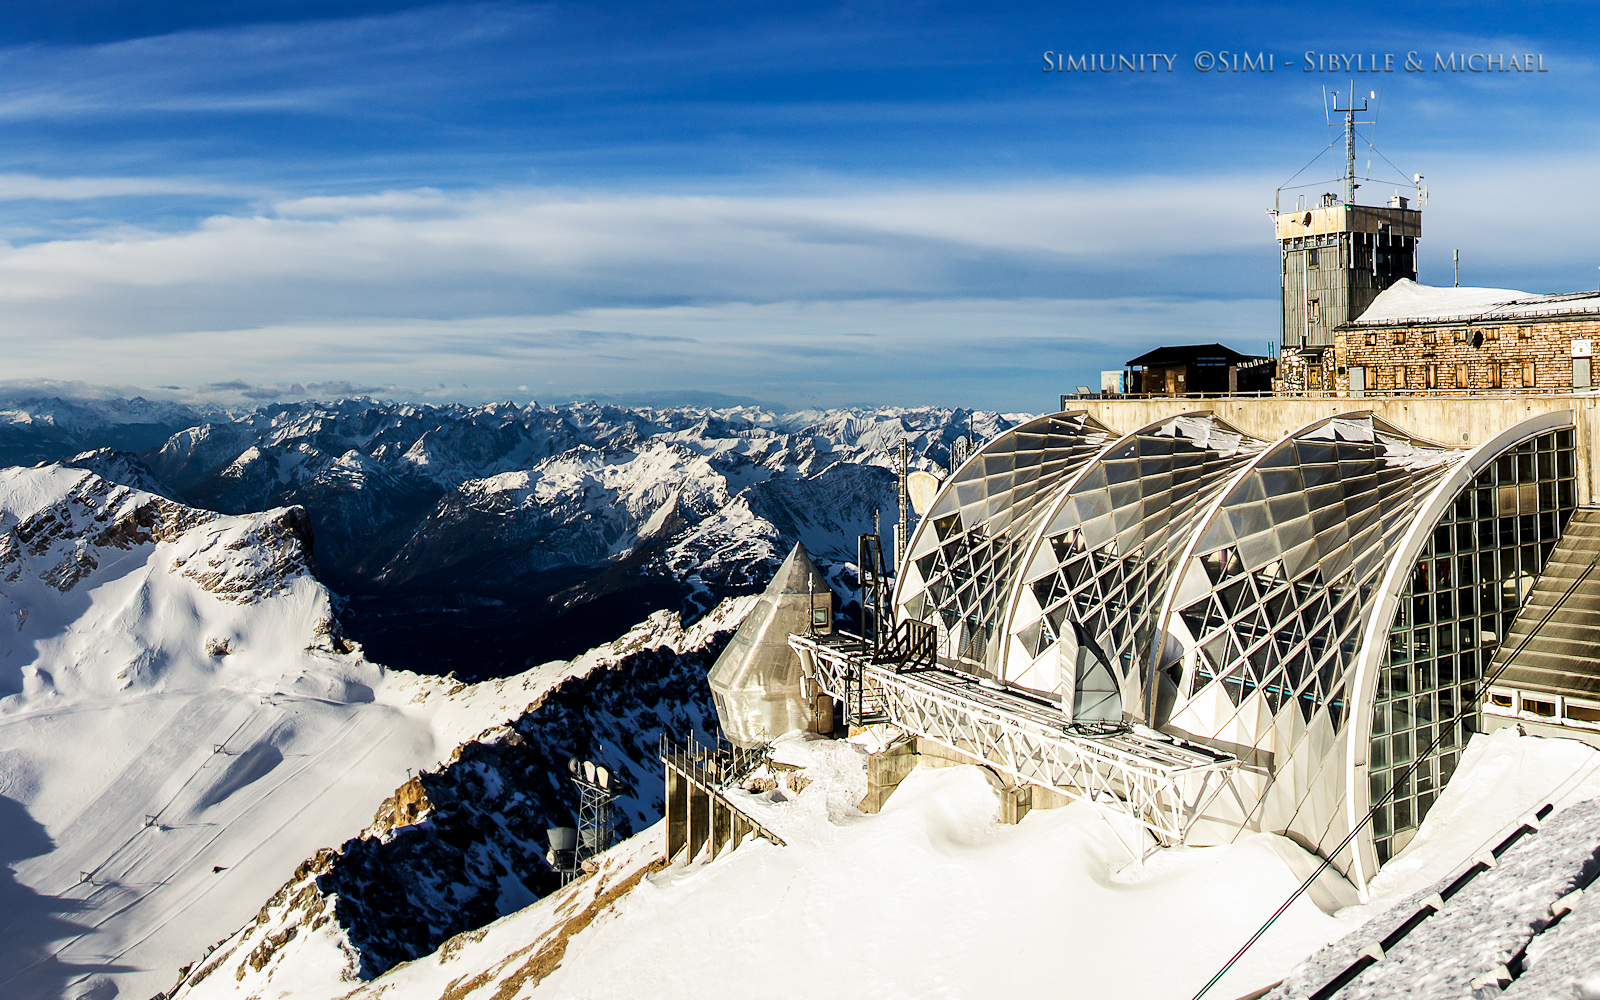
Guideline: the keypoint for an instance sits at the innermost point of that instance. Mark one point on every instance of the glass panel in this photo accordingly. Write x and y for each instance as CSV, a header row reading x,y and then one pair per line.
x,y
1522,502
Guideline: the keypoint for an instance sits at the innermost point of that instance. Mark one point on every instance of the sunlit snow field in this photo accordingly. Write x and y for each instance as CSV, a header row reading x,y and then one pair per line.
x,y
933,898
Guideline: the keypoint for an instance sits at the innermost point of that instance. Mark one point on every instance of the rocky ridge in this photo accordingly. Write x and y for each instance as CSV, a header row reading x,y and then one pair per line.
x,y
435,489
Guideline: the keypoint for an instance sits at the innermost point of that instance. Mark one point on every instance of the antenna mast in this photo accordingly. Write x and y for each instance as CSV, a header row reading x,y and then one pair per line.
x,y
1350,123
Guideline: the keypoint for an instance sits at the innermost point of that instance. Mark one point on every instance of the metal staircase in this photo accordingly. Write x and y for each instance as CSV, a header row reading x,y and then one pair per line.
x,y
1551,654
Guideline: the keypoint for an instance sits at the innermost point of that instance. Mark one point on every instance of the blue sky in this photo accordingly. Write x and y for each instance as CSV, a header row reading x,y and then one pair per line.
x,y
804,204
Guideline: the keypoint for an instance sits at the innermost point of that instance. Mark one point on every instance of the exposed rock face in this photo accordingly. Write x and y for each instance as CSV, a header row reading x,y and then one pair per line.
x,y
65,537
478,851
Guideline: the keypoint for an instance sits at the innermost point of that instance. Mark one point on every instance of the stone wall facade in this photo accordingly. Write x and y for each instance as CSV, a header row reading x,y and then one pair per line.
x,y
1501,356
1300,372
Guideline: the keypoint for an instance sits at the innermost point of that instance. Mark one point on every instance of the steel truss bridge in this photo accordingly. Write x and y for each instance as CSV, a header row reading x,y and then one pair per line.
x,y
1162,782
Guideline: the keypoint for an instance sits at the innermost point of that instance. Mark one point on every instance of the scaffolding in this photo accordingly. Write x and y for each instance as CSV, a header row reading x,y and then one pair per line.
x,y
1163,783
700,817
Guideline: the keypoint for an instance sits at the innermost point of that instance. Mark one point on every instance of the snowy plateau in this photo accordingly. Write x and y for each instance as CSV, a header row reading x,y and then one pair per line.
x,y
213,785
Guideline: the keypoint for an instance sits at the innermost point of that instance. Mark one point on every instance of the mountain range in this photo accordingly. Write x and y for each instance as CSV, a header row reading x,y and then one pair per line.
x,y
194,727
481,540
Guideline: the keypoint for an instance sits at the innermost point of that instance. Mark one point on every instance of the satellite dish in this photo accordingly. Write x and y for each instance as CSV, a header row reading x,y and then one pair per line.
x,y
603,778
572,765
922,488
588,771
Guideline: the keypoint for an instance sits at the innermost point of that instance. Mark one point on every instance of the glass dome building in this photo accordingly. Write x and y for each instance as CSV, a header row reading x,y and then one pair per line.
x,y
1321,606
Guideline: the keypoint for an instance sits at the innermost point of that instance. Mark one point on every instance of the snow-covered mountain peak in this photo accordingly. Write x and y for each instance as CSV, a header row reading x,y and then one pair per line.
x,y
145,589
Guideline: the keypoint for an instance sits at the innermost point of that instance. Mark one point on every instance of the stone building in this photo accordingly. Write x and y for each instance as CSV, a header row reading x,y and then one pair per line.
x,y
1414,338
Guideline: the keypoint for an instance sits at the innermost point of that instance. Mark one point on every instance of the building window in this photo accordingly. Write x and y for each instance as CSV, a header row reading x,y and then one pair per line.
x,y
1524,332
1581,377
1495,380
1463,381
1527,375
1460,336
1311,258
1313,309
1428,337
1372,340
1466,590
1491,333
1399,336
1433,376
1399,376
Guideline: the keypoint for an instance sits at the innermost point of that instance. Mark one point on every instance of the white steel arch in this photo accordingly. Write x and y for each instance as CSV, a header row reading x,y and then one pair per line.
x,y
1374,644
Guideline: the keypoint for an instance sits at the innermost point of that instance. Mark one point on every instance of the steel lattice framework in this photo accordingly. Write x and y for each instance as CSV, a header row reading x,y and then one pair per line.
x,y
1163,783
1234,592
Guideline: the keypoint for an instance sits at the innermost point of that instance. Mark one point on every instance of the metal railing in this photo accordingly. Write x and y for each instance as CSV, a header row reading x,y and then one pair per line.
x,y
700,814
1070,397
714,764
911,645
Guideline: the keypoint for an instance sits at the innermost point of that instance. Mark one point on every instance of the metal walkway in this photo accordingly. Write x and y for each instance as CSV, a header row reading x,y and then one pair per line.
x,y
1163,783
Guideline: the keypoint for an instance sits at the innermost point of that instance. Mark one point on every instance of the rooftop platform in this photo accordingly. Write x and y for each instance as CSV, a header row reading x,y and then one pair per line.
x,y
1460,419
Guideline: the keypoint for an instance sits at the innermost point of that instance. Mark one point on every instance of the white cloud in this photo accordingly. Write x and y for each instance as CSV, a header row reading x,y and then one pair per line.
x,y
998,295
427,253
1013,354
19,187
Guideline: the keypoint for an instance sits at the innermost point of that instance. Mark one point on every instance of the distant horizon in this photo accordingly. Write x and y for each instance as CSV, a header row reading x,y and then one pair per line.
x,y
823,206
204,398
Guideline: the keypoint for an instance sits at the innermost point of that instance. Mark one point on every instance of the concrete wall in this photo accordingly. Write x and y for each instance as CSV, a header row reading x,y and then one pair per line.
x,y
1461,420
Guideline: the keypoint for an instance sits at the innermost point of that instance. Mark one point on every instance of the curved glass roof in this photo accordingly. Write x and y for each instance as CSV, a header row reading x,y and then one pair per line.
x,y
1193,578
963,556
1097,571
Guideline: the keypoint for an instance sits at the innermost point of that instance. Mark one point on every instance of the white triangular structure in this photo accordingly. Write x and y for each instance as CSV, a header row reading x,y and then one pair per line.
x,y
756,680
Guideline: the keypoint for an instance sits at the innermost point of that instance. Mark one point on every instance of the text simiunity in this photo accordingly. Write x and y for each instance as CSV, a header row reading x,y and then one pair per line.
x,y
1138,62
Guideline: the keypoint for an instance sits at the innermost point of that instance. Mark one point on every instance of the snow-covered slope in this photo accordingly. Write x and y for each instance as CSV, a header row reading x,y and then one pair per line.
x,y
930,898
455,848
933,897
181,725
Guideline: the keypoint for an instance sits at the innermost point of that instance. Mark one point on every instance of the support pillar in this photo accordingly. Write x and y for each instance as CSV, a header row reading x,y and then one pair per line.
x,y
885,771
677,817
1015,802
699,821
721,827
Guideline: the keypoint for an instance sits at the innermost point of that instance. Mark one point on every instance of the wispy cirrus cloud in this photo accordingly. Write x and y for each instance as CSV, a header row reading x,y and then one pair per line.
x,y
21,187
